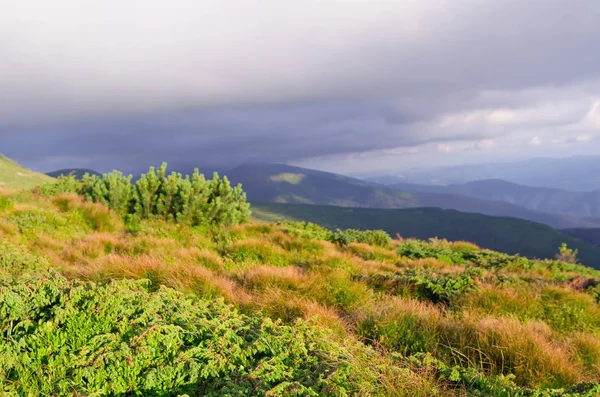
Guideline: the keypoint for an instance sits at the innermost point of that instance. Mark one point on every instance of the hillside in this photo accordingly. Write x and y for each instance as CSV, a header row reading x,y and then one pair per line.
x,y
555,201
577,173
510,235
278,183
77,172
592,236
93,305
13,176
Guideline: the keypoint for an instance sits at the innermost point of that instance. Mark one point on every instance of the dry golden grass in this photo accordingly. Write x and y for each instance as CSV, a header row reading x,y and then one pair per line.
x,y
368,252
528,350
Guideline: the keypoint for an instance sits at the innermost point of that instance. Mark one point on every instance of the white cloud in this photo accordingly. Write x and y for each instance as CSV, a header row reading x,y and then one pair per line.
x,y
535,141
486,144
445,148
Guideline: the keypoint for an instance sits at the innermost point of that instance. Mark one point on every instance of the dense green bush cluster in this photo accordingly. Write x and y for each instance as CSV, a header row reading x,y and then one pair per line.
x,y
190,199
372,237
15,259
305,229
341,237
61,337
427,285
463,254
438,249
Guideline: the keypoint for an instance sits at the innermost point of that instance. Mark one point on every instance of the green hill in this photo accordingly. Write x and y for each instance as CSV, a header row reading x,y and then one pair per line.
x,y
13,176
77,172
278,183
592,236
510,235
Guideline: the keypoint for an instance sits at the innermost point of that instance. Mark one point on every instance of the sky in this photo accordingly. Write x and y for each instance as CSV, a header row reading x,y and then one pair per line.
x,y
349,86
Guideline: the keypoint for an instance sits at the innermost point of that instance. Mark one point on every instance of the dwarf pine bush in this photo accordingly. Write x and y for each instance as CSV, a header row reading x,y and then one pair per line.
x,y
174,197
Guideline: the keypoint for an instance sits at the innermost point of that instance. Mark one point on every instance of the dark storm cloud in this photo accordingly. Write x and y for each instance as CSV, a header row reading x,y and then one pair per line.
x,y
223,137
106,83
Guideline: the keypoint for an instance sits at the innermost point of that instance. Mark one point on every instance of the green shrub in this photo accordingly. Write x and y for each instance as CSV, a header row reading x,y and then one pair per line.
x,y
371,237
6,203
425,284
438,249
192,200
112,189
566,254
478,384
64,184
306,230
15,259
63,338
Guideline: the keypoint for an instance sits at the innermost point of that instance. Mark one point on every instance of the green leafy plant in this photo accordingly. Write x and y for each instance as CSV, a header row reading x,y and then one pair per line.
x,y
566,254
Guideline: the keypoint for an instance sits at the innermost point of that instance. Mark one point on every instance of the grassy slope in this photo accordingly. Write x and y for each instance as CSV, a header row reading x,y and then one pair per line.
x,y
592,236
509,235
13,176
538,321
285,184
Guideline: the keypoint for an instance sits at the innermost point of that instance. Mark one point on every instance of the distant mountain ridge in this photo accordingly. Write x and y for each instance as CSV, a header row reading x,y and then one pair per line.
x,y
77,172
556,201
279,183
577,173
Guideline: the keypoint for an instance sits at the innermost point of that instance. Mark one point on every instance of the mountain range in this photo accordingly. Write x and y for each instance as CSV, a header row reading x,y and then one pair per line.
x,y
492,213
278,183
577,173
549,200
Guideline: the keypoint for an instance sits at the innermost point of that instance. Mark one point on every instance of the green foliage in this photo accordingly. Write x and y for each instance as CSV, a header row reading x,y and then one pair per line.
x,y
566,254
192,200
15,260
478,384
371,237
113,190
64,184
427,285
6,203
62,337
438,249
305,229
341,237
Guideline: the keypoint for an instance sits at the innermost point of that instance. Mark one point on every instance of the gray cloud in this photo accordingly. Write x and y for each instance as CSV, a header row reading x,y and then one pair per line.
x,y
121,84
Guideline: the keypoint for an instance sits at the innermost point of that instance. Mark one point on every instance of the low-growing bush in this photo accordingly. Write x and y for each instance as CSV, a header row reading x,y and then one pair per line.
x,y
372,237
427,285
63,185
62,337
